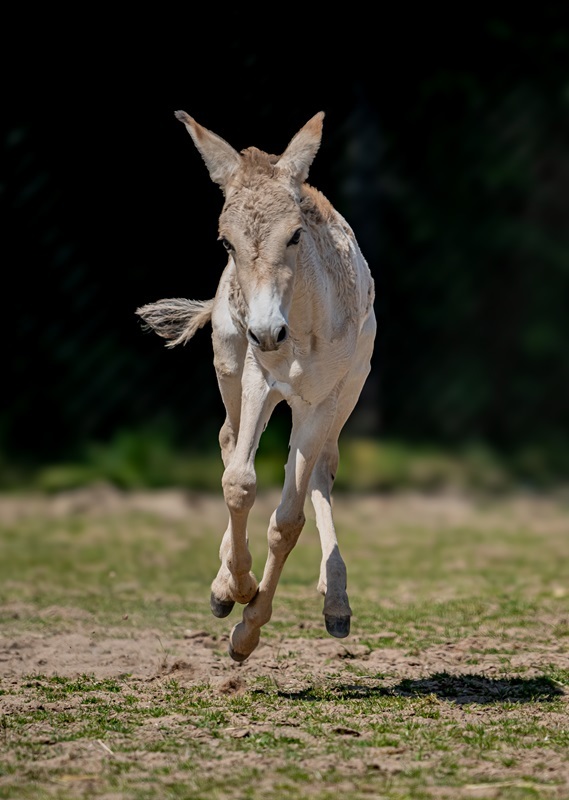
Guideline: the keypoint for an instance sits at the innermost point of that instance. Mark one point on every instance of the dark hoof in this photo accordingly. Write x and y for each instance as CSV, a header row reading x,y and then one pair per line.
x,y
337,626
239,657
220,608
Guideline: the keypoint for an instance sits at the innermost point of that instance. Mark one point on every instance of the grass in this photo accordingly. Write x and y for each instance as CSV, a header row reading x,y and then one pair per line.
x,y
154,459
454,682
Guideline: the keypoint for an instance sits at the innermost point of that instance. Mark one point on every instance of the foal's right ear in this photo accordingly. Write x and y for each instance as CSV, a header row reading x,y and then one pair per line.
x,y
220,158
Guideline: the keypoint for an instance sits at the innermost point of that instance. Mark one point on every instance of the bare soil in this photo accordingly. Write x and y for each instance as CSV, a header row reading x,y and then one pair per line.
x,y
153,657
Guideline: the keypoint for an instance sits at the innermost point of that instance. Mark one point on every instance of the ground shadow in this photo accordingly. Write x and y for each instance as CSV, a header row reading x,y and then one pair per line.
x,y
481,689
459,689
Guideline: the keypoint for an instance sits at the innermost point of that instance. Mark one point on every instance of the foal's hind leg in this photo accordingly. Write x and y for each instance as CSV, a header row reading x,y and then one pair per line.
x,y
333,578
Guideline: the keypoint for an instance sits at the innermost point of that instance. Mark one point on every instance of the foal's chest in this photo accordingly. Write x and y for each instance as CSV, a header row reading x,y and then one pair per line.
x,y
307,373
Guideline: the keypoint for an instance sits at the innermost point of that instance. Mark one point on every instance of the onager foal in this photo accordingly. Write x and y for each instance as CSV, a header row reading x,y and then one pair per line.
x,y
292,319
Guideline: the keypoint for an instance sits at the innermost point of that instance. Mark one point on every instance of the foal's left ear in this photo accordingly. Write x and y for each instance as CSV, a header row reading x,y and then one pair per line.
x,y
220,158
299,155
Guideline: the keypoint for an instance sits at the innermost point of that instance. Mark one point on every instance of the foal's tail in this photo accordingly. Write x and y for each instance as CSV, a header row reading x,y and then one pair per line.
x,y
176,318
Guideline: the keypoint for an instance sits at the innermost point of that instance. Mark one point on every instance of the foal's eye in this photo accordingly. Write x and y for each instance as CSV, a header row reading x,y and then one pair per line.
x,y
226,243
295,238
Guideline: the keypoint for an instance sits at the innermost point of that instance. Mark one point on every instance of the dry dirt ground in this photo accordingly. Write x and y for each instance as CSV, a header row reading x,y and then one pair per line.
x,y
154,657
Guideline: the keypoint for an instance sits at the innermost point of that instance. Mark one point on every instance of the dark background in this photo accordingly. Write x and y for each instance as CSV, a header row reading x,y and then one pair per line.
x,y
445,146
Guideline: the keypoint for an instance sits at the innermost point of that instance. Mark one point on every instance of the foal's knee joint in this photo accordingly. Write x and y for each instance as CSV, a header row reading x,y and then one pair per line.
x,y
284,534
226,437
239,491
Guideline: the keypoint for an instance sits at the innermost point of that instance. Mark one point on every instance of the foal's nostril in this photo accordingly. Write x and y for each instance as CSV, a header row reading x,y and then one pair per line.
x,y
268,341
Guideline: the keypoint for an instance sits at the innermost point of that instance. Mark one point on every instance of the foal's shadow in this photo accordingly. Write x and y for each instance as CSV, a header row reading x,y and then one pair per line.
x,y
459,689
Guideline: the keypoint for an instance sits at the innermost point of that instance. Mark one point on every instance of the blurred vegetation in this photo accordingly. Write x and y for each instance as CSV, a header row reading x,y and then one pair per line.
x,y
151,460
453,169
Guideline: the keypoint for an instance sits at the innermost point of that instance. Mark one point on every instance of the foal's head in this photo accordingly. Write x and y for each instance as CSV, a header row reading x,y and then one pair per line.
x,y
260,224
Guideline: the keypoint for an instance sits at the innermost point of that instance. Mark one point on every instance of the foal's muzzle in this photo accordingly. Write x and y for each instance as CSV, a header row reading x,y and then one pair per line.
x,y
268,340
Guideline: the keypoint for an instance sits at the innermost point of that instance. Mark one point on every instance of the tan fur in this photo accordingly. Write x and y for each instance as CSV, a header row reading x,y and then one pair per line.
x,y
292,319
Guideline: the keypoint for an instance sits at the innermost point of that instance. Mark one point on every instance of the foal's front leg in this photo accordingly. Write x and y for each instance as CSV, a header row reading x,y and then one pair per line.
x,y
235,583
310,427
